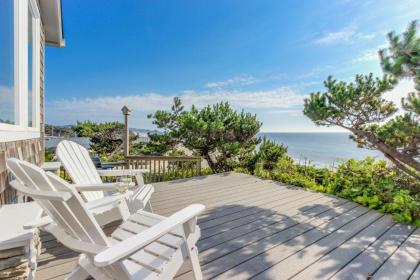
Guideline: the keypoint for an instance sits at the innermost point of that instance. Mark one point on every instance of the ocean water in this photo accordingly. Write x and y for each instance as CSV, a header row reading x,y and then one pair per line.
x,y
321,149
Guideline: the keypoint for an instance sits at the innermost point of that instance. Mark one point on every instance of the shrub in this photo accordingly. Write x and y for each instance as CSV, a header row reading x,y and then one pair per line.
x,y
267,155
49,155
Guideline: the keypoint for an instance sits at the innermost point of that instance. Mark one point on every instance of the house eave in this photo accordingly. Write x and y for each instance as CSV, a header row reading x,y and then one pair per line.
x,y
52,20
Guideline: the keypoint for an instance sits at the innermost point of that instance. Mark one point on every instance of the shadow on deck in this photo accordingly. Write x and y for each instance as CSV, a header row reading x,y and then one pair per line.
x,y
265,230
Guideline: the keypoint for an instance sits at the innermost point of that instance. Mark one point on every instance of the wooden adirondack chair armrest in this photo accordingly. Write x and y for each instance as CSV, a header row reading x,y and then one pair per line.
x,y
46,220
39,194
41,222
107,187
112,199
121,172
133,244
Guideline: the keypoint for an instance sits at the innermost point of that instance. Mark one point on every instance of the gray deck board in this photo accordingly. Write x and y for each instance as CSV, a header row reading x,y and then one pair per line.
x,y
374,256
404,261
333,259
261,255
416,273
262,229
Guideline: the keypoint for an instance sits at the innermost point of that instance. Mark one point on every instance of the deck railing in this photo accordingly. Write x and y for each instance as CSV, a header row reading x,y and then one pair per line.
x,y
163,168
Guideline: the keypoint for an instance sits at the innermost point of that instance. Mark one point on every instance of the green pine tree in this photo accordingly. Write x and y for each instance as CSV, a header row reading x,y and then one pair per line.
x,y
361,108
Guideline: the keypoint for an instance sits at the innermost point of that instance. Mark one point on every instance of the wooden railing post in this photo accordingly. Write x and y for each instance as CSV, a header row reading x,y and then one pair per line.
x,y
126,113
198,166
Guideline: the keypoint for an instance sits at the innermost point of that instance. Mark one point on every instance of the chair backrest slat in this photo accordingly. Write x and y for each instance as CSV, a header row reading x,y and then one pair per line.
x,y
71,215
79,166
20,174
82,159
83,217
69,160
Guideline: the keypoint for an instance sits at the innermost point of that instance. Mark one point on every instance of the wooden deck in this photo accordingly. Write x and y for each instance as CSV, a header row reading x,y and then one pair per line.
x,y
265,230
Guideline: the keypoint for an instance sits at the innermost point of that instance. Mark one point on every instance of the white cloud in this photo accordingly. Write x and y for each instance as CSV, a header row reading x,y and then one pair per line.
x,y
400,91
366,35
346,35
277,98
370,54
237,80
333,37
68,111
315,72
367,56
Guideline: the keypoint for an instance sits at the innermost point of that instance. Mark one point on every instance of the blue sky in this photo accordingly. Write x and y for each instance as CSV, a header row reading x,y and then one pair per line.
x,y
261,56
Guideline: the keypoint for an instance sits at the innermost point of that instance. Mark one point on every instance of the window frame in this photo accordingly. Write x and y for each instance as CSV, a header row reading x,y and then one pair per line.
x,y
20,130
36,60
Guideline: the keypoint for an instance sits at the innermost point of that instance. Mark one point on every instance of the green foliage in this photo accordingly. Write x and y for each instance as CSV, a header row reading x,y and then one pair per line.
x,y
287,171
401,133
216,132
106,138
412,103
115,157
168,122
49,155
268,153
144,148
350,105
361,108
402,59
86,128
365,174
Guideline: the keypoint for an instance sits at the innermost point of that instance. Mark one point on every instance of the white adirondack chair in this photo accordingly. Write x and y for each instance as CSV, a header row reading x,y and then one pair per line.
x,y
87,178
145,246
105,210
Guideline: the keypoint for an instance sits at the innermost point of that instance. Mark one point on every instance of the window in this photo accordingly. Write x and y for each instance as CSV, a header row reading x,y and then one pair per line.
x,y
19,70
7,61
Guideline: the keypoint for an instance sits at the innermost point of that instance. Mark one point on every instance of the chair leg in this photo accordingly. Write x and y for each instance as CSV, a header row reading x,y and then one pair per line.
x,y
78,274
195,263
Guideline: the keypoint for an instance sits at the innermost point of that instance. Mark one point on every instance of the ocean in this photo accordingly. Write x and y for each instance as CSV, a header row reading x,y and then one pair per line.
x,y
321,149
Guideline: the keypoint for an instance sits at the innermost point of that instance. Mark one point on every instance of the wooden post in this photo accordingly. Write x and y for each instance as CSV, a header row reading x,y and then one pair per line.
x,y
198,166
126,113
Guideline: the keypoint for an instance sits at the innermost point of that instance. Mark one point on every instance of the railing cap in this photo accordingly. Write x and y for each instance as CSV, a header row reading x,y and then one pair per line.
x,y
181,158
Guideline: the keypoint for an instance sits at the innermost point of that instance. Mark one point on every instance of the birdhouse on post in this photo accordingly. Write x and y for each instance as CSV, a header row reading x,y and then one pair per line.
x,y
126,113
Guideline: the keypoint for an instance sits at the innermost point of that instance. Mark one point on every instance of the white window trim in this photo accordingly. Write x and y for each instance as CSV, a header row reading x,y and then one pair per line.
x,y
20,130
35,69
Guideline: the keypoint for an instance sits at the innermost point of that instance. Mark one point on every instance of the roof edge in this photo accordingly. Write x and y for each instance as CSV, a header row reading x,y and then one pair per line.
x,y
52,20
